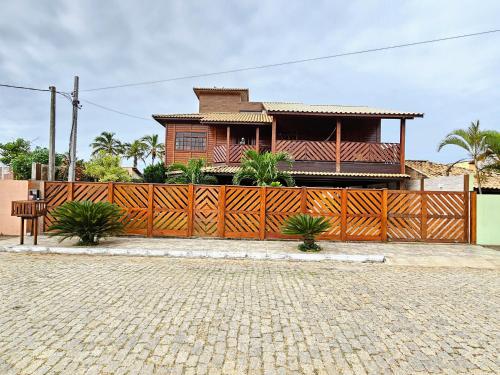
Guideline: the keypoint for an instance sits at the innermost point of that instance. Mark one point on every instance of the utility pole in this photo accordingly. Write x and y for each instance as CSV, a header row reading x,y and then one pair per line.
x,y
52,135
72,139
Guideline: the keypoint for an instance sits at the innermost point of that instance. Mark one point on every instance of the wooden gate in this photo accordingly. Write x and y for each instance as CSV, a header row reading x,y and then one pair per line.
x,y
259,212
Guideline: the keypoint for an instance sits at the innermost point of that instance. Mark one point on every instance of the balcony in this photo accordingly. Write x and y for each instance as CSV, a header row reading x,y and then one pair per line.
x,y
235,152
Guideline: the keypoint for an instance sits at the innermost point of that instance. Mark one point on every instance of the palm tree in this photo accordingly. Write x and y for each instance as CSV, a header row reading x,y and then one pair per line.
x,y
308,227
106,142
473,141
492,163
136,150
262,169
155,148
190,173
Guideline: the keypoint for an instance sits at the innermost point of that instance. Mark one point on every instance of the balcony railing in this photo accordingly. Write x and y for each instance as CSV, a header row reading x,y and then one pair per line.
x,y
235,152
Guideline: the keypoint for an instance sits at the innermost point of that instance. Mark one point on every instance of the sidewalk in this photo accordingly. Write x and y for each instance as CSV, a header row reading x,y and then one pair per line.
x,y
400,254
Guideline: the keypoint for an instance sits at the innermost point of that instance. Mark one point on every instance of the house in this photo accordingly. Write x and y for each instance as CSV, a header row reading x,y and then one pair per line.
x,y
332,145
432,176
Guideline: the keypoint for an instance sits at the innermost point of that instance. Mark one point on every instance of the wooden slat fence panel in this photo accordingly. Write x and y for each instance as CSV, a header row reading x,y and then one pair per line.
x,y
259,212
308,150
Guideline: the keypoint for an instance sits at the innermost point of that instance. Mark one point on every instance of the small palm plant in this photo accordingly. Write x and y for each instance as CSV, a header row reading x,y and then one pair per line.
x,y
308,227
262,169
86,220
190,173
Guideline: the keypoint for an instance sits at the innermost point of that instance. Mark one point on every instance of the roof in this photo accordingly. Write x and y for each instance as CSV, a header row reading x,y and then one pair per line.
x,y
276,107
431,169
223,90
219,117
231,169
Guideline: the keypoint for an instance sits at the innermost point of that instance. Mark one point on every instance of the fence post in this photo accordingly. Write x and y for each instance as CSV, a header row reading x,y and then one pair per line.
x,y
466,208
70,191
423,215
383,221
111,192
303,200
222,208
473,217
150,210
262,221
343,214
190,210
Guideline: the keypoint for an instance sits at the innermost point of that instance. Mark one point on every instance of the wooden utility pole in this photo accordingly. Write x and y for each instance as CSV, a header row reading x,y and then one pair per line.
x,y
72,140
52,135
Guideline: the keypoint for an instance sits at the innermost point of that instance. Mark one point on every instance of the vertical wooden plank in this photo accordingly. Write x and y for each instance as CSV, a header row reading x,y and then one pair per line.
x,y
343,215
190,210
228,143
35,230
466,209
337,145
273,135
166,145
21,239
262,218
402,131
149,230
303,200
174,134
70,190
423,215
473,217
383,218
257,139
221,215
111,192
422,184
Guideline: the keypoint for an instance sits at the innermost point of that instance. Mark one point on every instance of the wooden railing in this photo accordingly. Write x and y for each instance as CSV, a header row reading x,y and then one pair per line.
x,y
349,151
235,152
259,212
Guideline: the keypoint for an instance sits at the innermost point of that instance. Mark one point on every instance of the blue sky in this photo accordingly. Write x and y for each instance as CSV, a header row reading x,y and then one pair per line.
x,y
114,42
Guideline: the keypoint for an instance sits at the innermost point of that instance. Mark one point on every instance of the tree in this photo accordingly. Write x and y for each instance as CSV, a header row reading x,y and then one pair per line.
x,y
135,150
106,142
21,164
492,163
154,147
262,169
308,227
190,173
106,167
9,150
473,141
155,173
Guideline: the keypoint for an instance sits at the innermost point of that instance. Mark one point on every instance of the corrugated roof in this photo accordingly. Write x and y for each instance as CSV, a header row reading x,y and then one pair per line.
x,y
431,169
220,117
335,109
233,169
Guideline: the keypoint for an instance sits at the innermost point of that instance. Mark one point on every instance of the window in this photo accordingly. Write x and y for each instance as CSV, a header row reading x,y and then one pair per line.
x,y
190,141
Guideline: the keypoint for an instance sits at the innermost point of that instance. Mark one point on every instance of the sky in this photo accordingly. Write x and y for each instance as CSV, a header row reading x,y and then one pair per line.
x,y
105,43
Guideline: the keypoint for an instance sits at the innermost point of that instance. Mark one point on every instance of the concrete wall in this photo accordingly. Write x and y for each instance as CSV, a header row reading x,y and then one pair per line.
x,y
442,183
11,190
488,219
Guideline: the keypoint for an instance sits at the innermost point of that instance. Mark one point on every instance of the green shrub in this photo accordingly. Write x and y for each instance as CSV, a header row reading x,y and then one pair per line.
x,y
155,173
308,227
105,168
86,220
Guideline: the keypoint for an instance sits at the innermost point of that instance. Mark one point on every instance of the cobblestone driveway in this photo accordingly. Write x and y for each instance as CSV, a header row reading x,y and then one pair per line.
x,y
104,315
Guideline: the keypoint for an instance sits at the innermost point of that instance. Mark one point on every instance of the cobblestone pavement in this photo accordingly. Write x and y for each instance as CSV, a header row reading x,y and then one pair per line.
x,y
107,315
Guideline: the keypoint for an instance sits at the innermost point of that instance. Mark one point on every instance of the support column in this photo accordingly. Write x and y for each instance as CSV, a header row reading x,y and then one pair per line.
x,y
257,139
273,135
337,145
402,130
228,143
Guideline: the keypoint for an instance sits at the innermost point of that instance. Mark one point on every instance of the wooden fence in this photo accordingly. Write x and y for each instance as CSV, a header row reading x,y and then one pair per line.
x,y
259,212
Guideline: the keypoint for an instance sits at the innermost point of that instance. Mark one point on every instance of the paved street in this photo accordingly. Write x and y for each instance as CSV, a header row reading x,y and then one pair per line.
x,y
107,315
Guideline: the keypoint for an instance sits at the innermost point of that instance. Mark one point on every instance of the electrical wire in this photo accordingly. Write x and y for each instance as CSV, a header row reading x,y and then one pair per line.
x,y
115,111
370,50
22,87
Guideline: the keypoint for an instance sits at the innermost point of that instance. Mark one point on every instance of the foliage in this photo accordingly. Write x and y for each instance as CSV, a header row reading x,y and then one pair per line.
x,y
9,150
473,141
107,143
86,220
190,173
492,163
21,164
262,169
105,167
308,227
155,173
135,150
155,149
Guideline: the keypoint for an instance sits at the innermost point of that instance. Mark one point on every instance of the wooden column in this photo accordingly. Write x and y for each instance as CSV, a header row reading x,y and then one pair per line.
x,y
262,218
273,135
337,146
466,208
228,143
383,218
150,210
221,213
190,210
402,129
257,139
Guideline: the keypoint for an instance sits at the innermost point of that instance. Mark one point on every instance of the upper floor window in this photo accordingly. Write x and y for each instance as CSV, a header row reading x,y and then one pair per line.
x,y
190,141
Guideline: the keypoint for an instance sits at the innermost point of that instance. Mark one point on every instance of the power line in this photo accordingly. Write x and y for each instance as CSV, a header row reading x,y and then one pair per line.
x,y
377,49
114,110
23,87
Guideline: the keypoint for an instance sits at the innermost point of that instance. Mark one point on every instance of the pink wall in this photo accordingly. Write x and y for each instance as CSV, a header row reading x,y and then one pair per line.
x,y
11,190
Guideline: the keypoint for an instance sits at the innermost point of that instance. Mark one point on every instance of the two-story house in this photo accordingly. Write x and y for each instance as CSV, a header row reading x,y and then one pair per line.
x,y
332,145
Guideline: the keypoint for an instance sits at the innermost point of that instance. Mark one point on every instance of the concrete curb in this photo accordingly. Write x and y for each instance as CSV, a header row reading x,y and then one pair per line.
x,y
302,257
